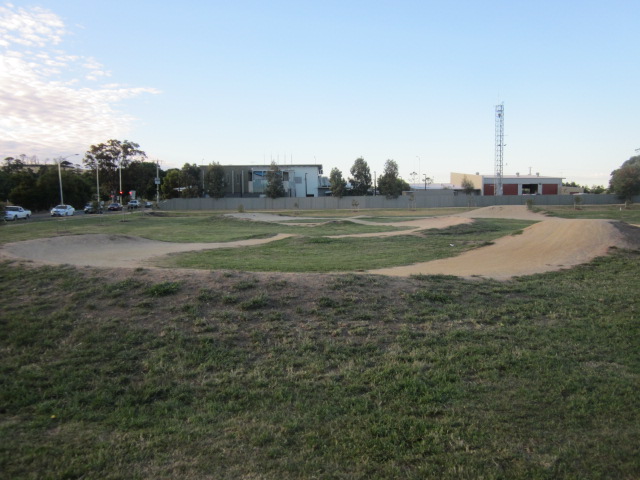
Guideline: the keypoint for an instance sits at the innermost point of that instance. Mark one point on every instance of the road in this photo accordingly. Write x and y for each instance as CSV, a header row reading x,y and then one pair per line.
x,y
46,216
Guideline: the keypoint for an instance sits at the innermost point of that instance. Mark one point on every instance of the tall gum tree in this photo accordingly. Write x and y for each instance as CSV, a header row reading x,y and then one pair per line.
x,y
360,179
110,157
337,182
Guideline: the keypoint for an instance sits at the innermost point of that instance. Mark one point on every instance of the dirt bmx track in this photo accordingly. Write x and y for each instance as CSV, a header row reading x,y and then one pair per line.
x,y
550,244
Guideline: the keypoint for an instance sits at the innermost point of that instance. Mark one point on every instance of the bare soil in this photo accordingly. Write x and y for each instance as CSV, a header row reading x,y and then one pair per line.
x,y
550,244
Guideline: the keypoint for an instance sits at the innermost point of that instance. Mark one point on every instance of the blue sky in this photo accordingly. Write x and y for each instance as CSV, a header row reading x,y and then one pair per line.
x,y
326,82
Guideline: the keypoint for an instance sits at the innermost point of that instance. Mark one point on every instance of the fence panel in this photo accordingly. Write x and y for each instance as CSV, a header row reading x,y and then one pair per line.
x,y
443,199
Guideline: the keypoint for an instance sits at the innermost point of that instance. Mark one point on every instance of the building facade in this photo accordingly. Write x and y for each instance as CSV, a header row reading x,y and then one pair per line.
x,y
251,180
511,184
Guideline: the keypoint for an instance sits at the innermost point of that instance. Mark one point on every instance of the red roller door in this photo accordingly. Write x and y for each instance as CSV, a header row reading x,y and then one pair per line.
x,y
510,189
488,189
550,189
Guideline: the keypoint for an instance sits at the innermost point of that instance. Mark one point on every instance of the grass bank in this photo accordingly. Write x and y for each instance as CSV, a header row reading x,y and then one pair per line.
x,y
123,374
322,254
175,227
608,212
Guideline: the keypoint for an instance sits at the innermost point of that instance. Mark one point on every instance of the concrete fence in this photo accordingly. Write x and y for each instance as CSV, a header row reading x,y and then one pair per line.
x,y
421,199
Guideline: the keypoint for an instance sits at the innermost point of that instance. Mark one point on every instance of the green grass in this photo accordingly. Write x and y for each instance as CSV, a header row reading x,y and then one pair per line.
x,y
612,212
322,254
377,212
320,376
174,227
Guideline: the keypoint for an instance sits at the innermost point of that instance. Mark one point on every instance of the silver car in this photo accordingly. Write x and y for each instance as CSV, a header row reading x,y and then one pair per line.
x,y
15,212
62,211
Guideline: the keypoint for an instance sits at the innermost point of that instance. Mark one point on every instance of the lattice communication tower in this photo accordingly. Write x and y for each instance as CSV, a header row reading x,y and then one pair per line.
x,y
497,188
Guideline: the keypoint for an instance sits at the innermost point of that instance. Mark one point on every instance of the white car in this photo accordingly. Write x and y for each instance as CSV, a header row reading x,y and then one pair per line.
x,y
62,211
14,213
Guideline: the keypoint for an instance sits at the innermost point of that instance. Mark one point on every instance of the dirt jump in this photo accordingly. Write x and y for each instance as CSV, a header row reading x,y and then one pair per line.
x,y
550,244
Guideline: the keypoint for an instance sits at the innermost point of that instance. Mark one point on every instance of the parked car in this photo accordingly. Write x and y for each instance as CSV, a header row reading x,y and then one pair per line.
x,y
148,205
133,204
62,211
90,208
15,212
114,207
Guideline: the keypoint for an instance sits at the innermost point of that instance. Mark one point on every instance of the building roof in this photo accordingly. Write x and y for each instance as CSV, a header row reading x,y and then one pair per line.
x,y
283,166
531,177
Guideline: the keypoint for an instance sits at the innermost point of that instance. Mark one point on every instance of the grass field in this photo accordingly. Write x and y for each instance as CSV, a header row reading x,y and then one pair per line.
x,y
321,254
147,373
176,227
612,212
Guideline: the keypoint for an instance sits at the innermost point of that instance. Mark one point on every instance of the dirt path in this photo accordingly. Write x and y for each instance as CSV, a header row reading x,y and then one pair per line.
x,y
550,244
110,250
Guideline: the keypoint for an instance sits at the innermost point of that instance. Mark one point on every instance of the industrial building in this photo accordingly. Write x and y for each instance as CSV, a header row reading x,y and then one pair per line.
x,y
511,184
298,180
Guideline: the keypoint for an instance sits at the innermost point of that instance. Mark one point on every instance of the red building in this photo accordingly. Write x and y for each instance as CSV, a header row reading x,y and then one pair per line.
x,y
511,184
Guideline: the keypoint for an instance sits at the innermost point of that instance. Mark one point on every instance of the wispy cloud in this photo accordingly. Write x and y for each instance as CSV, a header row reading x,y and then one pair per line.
x,y
46,112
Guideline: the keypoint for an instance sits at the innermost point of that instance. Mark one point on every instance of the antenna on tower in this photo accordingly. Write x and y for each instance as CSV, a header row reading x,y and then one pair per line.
x,y
497,190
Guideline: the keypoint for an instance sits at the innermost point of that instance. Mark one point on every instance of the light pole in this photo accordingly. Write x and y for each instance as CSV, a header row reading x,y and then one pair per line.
x,y
60,160
120,175
98,186
426,179
157,180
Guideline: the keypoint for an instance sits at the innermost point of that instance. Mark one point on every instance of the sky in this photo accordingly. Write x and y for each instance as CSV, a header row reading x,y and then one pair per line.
x,y
325,82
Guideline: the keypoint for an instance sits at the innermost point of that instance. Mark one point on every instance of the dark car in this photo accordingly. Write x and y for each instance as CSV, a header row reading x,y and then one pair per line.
x,y
91,208
114,207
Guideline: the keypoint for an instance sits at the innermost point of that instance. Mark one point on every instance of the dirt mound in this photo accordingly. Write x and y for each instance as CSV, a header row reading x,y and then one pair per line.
x,y
412,225
553,244
110,250
517,212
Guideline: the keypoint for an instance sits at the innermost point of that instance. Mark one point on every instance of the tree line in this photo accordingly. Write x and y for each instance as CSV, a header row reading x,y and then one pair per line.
x,y
115,167
119,167
389,184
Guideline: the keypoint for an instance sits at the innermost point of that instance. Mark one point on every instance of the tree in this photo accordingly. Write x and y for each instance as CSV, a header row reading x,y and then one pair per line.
x,y
13,165
360,179
191,181
41,190
625,181
275,185
214,180
468,188
23,189
110,157
389,184
171,184
338,184
140,176
597,189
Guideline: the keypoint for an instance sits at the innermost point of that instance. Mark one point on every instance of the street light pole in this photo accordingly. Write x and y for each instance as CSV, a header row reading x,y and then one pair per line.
x,y
60,160
157,180
120,176
98,185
